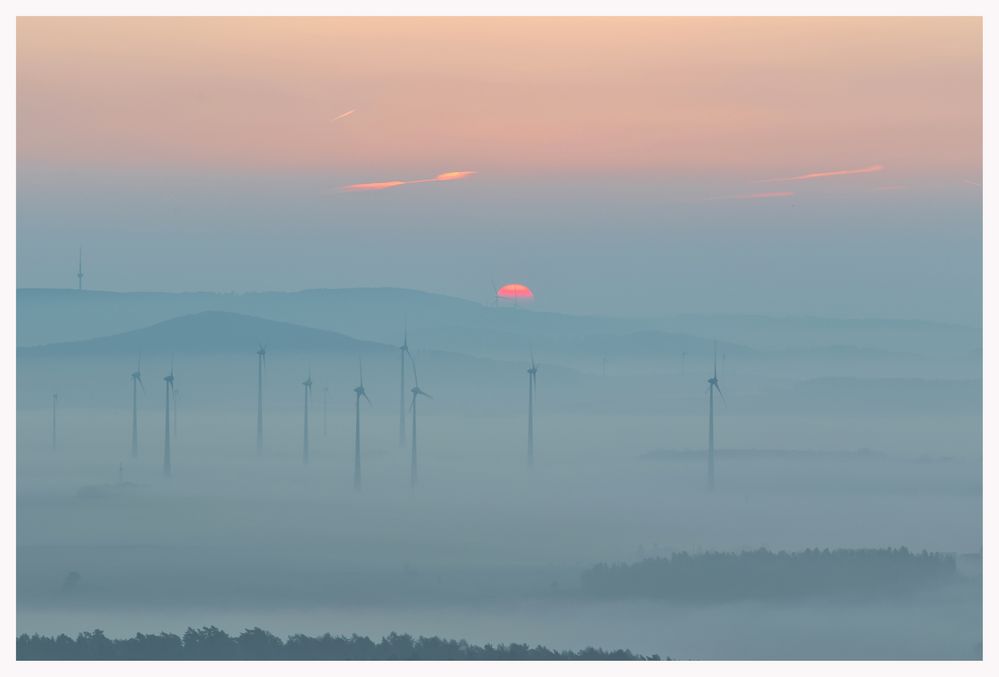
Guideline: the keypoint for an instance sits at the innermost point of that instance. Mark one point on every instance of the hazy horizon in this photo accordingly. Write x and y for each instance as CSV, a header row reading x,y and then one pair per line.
x,y
767,177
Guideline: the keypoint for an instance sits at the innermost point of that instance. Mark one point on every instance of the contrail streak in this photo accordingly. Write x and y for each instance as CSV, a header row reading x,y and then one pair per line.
x,y
821,175
343,115
382,185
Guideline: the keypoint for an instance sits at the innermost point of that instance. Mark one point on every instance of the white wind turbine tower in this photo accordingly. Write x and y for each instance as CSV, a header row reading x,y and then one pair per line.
x,y
136,383
261,362
532,383
712,386
359,392
403,352
167,470
307,383
79,272
413,471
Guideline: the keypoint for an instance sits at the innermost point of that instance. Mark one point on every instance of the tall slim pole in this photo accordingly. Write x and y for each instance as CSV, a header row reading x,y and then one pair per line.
x,y
325,391
711,437
305,443
175,393
357,442
412,468
530,419
166,437
79,273
402,395
135,423
260,403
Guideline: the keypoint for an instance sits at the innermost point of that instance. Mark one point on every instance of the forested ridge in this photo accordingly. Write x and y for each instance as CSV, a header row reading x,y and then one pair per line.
x,y
211,643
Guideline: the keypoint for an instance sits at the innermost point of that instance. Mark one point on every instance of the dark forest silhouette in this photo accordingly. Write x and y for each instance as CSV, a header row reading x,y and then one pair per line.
x,y
766,575
210,643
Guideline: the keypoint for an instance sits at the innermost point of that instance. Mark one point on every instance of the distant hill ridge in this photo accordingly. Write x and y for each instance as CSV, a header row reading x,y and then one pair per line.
x,y
214,331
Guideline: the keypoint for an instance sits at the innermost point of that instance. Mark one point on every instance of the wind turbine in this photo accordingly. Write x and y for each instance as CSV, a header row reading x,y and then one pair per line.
x,y
359,392
305,440
136,382
79,272
712,386
168,379
403,352
413,475
55,400
261,362
532,384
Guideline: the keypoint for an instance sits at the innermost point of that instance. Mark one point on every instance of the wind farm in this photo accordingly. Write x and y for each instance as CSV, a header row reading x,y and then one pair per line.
x,y
603,431
746,271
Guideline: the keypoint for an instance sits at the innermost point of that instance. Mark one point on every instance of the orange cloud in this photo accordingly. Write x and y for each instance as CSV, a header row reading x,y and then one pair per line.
x,y
821,175
755,196
382,185
452,176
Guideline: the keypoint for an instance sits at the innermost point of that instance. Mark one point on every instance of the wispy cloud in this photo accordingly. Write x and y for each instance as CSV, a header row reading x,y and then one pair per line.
x,y
754,196
972,183
892,187
382,185
821,175
341,116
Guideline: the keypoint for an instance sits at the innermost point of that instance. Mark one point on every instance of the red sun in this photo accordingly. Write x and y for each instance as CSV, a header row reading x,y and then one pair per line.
x,y
515,291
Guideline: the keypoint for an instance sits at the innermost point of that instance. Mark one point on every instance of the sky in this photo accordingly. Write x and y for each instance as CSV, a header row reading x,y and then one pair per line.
x,y
625,166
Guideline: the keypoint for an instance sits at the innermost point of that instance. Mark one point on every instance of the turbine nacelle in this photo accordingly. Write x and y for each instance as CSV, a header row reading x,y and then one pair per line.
x,y
359,391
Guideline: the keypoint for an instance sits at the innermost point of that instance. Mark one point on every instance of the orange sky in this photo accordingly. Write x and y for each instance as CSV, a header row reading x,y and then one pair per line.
x,y
759,98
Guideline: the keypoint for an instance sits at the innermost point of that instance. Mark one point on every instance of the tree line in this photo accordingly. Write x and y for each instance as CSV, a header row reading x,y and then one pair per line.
x,y
211,643
763,574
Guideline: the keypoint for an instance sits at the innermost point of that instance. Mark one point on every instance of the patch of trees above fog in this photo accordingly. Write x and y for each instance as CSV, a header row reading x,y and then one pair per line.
x,y
255,644
766,575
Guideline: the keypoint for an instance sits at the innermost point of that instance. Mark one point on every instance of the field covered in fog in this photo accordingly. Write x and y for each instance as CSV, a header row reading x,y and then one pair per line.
x,y
816,449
